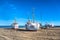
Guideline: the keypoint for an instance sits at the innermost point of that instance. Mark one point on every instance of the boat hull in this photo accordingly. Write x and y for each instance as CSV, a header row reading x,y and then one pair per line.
x,y
32,27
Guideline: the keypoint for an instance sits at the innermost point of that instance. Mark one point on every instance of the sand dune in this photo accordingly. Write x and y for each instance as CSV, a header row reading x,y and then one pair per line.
x,y
42,34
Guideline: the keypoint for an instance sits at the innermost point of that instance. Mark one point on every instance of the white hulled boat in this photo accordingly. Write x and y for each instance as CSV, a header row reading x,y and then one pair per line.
x,y
15,25
32,25
49,25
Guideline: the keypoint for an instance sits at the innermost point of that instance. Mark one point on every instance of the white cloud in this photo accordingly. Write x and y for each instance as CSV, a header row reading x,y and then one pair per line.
x,y
12,6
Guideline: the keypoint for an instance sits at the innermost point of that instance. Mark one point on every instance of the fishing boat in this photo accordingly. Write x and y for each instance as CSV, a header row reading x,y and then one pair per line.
x,y
15,25
49,25
32,25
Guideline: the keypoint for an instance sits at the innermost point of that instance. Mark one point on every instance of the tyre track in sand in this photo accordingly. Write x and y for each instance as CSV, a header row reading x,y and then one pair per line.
x,y
7,38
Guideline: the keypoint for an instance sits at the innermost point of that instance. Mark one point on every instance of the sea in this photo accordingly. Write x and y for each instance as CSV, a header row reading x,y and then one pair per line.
x,y
20,26
11,27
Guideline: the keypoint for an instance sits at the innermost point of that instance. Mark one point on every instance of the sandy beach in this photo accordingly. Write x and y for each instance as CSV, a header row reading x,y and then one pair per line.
x,y
41,34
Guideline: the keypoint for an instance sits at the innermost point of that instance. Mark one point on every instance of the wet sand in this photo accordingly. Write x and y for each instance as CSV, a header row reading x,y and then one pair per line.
x,y
41,34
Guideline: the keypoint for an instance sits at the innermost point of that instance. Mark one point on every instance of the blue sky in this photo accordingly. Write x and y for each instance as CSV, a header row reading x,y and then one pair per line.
x,y
45,11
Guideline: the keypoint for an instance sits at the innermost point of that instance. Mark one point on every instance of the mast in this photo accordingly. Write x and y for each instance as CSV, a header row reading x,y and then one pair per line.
x,y
15,20
28,19
33,15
